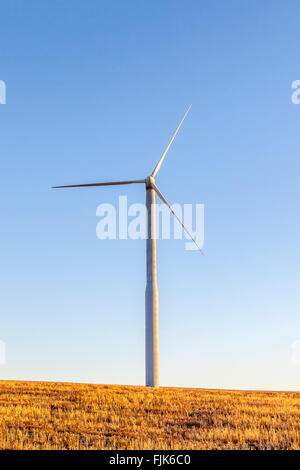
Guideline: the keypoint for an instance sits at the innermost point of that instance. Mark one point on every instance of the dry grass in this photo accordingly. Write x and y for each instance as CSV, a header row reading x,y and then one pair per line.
x,y
41,415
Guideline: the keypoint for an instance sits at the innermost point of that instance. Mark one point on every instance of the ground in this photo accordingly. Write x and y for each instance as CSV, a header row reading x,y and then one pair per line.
x,y
46,415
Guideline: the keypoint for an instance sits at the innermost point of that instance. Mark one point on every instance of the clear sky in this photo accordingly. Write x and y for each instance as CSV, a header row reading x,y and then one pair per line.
x,y
94,91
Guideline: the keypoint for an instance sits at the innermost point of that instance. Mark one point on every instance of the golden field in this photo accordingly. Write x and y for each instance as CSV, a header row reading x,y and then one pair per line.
x,y
42,415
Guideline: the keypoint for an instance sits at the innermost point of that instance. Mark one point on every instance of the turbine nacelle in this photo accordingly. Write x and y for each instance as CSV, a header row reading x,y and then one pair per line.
x,y
150,182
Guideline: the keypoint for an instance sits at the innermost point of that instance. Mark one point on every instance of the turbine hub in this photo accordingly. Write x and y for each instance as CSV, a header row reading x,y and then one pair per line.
x,y
149,182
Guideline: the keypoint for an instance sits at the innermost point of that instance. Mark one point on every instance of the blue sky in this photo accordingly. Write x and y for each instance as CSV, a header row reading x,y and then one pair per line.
x,y
94,91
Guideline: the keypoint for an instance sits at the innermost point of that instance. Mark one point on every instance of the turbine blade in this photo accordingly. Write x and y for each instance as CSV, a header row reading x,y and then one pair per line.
x,y
112,183
169,145
167,204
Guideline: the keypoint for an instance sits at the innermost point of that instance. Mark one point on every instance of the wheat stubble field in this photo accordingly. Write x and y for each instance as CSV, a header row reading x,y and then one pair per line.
x,y
45,415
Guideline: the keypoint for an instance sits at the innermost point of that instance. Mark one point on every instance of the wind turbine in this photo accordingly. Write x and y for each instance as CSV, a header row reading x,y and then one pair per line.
x,y
151,297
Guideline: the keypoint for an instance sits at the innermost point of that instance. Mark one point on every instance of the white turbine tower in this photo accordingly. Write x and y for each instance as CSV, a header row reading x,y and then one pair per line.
x,y
151,298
